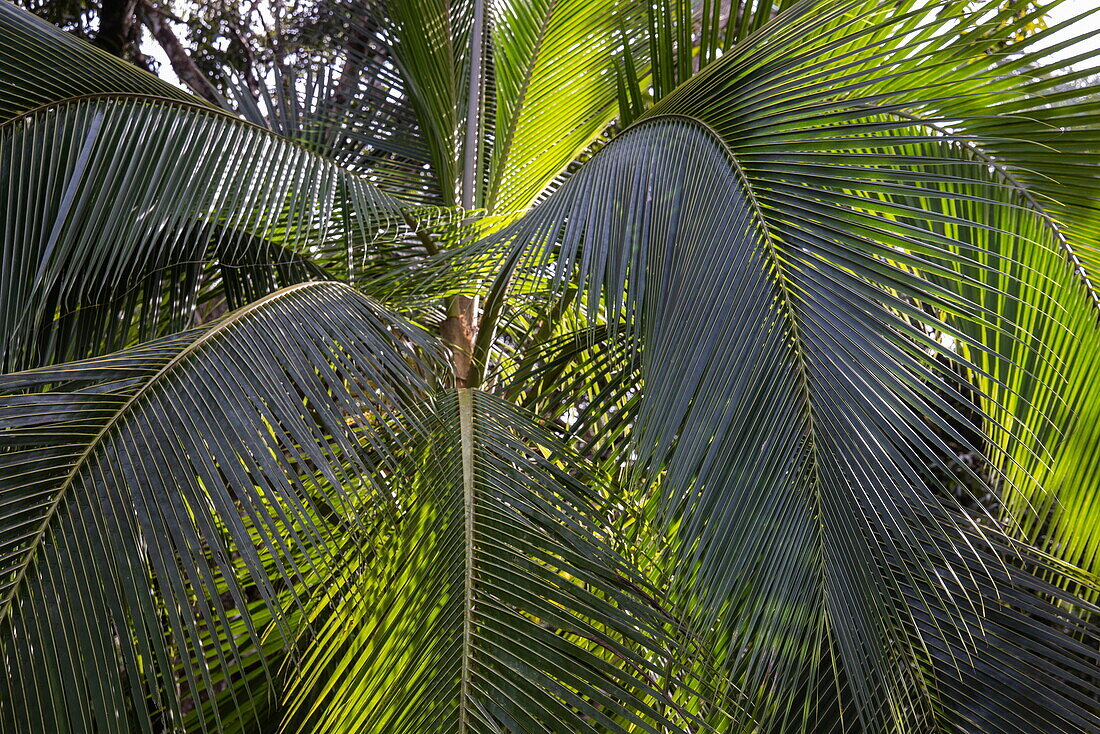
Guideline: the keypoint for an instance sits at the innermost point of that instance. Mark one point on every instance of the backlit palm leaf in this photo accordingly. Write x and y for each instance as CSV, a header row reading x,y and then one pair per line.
x,y
496,605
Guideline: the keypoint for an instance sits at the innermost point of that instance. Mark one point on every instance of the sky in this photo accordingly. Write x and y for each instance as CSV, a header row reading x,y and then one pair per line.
x,y
1067,11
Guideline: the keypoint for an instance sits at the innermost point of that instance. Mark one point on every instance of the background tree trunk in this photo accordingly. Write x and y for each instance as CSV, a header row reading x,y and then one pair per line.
x,y
157,22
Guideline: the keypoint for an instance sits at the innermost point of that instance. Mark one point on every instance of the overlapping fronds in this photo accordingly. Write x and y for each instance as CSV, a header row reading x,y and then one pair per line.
x,y
496,605
386,99
143,490
813,283
798,401
913,127
394,105
117,208
554,94
1042,341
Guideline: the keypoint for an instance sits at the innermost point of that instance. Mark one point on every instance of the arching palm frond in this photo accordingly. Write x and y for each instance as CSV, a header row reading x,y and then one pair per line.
x,y
138,485
43,65
796,398
803,293
870,121
131,204
497,604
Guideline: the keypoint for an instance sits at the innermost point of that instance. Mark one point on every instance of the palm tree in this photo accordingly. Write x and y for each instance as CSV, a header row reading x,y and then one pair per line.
x,y
556,366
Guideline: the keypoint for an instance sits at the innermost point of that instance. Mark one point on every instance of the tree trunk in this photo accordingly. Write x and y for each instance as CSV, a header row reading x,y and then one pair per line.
x,y
116,20
181,61
458,331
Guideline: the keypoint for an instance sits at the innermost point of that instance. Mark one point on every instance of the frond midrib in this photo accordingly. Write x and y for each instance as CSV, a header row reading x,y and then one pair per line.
x,y
789,315
782,286
466,427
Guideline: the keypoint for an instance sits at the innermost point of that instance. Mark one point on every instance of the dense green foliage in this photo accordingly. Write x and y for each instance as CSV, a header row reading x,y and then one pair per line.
x,y
555,366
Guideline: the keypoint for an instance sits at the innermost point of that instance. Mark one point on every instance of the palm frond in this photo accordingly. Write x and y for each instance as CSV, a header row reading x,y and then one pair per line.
x,y
1040,390
812,283
393,105
383,95
141,489
120,209
42,65
857,122
554,94
794,399
497,604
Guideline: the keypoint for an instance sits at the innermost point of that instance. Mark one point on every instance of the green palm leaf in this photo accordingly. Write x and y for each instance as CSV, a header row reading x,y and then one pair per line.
x,y
811,283
131,203
390,106
856,122
496,605
789,383
139,487
546,52
43,65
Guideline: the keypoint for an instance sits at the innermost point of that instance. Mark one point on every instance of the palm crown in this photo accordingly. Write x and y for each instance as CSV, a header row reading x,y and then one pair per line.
x,y
555,365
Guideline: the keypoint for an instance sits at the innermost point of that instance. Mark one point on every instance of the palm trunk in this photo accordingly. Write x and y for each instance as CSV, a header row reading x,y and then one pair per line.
x,y
459,329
